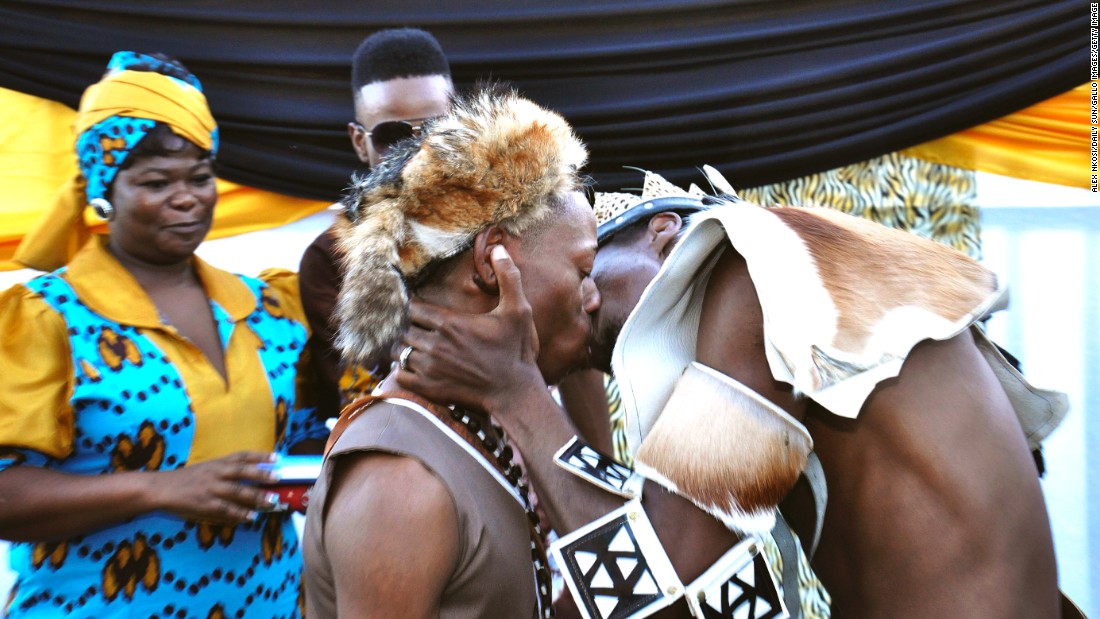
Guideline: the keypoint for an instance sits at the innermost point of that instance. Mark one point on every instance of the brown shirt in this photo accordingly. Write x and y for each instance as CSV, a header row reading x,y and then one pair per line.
x,y
494,577
320,277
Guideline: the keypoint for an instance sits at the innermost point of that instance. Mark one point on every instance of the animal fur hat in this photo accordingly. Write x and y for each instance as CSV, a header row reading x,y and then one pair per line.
x,y
494,158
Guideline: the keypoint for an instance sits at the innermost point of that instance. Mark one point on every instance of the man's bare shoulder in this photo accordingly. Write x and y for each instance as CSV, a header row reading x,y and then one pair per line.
x,y
380,490
391,535
374,484
731,332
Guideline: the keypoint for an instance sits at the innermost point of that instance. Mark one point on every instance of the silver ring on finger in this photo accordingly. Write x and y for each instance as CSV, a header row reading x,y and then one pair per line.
x,y
403,359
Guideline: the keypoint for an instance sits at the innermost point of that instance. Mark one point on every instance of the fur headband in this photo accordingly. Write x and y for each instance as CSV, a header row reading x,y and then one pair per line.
x,y
494,158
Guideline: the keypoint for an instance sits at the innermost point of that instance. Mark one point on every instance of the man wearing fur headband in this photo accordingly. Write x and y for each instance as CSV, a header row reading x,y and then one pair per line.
x,y
763,334
421,510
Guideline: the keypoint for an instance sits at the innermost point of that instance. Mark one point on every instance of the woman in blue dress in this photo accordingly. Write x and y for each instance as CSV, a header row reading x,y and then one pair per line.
x,y
143,391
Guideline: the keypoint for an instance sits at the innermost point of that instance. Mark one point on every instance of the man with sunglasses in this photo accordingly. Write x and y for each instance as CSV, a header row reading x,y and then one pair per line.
x,y
400,79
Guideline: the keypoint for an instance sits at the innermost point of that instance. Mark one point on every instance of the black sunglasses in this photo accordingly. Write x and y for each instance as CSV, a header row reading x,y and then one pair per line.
x,y
385,134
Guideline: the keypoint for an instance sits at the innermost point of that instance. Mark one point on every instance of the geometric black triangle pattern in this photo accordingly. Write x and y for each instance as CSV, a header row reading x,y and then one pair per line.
x,y
750,593
611,570
588,462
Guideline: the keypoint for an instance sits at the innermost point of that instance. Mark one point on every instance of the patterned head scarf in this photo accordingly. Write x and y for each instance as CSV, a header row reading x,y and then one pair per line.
x,y
114,115
137,91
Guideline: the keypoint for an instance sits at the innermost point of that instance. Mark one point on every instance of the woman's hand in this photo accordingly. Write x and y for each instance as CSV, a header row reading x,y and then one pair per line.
x,y
222,491
39,504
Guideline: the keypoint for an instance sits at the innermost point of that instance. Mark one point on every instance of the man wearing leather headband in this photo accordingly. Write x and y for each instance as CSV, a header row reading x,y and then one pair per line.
x,y
762,334
399,78
421,510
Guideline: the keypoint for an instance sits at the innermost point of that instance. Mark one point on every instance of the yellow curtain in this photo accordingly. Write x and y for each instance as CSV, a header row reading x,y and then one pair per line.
x,y
37,157
1046,142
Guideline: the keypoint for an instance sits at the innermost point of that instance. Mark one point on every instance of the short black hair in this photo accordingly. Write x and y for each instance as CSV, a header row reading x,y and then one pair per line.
x,y
628,234
397,53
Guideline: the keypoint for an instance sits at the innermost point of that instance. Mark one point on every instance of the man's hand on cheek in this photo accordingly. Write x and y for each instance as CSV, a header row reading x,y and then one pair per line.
x,y
480,361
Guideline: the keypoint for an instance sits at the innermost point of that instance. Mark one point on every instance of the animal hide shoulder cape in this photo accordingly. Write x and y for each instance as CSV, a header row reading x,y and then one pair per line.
x,y
844,300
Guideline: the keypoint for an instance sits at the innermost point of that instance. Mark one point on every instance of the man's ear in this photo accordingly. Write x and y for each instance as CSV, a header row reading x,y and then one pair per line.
x,y
663,229
359,138
485,275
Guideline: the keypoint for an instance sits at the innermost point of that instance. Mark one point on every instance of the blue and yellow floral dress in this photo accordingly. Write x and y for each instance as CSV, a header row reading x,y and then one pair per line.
x,y
92,383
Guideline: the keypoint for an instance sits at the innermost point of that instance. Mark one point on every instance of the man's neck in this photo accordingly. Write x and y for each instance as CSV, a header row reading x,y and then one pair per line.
x,y
455,289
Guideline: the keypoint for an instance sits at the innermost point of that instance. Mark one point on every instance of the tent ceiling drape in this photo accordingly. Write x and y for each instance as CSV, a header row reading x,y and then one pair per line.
x,y
764,91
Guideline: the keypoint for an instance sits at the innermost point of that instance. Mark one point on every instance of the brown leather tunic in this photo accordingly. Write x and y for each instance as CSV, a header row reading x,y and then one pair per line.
x,y
494,577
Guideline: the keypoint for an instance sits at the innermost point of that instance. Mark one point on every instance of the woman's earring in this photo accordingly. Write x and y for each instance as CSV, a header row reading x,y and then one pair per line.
x,y
103,208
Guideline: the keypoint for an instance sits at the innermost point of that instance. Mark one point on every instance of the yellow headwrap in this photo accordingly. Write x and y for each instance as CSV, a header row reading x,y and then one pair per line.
x,y
142,94
56,237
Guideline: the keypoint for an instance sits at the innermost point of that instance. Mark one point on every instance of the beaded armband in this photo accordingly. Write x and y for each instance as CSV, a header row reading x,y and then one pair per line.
x,y
615,566
740,584
599,469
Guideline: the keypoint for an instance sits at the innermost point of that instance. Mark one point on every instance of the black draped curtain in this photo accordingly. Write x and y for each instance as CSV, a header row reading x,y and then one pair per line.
x,y
764,91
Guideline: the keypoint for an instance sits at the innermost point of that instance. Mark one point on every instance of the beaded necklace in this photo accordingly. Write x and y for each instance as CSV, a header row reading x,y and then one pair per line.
x,y
493,444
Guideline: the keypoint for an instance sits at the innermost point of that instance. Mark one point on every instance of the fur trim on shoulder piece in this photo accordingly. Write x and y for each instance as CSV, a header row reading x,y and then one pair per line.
x,y
725,448
494,158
